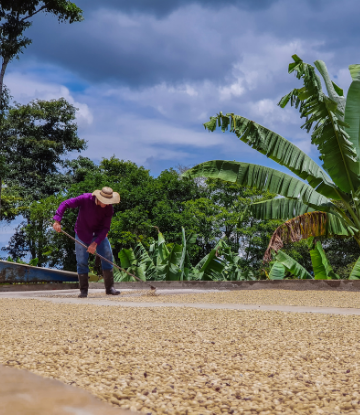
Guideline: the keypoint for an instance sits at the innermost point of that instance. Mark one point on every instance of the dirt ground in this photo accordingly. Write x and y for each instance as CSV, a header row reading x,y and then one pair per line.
x,y
168,360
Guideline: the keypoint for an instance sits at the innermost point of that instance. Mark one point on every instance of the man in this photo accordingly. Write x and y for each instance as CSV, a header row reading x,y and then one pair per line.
x,y
91,228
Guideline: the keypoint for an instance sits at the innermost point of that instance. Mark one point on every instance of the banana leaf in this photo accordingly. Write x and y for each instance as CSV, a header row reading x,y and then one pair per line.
x,y
355,273
352,115
210,267
279,208
232,270
292,266
335,93
119,276
277,271
127,258
130,263
321,265
169,269
144,260
260,177
278,149
355,72
183,254
162,250
325,116
283,208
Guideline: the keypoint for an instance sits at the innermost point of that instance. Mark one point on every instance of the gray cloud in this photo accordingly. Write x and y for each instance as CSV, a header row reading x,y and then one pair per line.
x,y
178,70
193,43
162,8
138,50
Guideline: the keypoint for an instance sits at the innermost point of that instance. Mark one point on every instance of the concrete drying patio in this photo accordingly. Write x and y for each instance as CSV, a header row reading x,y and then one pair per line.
x,y
193,352
324,302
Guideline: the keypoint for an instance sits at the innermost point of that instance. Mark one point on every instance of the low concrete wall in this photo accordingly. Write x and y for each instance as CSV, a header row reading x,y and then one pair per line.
x,y
342,285
38,287
299,285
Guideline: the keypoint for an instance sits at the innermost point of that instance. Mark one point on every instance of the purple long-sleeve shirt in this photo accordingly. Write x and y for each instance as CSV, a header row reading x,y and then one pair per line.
x,y
92,220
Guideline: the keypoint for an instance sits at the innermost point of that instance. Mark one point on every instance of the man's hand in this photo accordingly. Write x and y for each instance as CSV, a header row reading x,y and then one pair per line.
x,y
92,248
57,226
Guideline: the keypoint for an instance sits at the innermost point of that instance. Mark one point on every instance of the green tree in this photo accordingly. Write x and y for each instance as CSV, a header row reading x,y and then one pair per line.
x,y
40,134
35,234
309,208
11,204
204,218
145,201
15,18
243,232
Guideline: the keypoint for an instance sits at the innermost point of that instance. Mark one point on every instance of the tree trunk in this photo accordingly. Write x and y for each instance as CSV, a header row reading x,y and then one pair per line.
x,y
2,74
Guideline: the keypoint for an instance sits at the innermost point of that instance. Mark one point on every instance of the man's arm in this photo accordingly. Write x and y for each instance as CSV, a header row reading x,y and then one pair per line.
x,y
66,204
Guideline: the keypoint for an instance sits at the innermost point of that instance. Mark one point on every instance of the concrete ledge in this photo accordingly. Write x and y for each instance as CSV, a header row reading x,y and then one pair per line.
x,y
23,393
338,285
38,287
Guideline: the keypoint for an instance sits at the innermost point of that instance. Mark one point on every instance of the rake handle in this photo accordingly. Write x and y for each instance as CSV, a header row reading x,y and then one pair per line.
x,y
103,258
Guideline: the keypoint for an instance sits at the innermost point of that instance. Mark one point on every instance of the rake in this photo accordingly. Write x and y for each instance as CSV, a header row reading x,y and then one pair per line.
x,y
153,289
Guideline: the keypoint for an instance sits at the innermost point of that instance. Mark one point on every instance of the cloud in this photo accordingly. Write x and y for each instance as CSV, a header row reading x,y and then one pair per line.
x,y
147,75
135,50
26,89
161,8
197,41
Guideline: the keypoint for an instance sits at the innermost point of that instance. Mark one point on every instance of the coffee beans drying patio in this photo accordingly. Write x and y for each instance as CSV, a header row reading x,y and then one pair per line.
x,y
187,360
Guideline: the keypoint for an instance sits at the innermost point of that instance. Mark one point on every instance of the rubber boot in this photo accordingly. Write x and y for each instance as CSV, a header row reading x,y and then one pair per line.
x,y
84,285
109,282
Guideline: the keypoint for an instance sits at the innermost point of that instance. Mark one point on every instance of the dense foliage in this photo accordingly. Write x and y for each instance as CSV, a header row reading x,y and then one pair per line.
x,y
167,202
328,204
229,217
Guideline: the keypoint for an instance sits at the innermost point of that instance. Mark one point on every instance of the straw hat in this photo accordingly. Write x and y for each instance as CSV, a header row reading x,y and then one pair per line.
x,y
107,196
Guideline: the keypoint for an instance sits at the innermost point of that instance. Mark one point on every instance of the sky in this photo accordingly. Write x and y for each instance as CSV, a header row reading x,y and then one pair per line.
x,y
146,74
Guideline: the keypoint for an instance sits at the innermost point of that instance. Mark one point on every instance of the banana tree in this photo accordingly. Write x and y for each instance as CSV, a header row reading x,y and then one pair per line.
x,y
322,269
160,263
285,264
233,269
326,202
164,263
